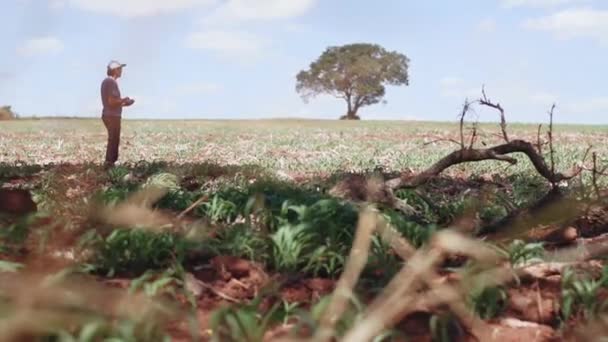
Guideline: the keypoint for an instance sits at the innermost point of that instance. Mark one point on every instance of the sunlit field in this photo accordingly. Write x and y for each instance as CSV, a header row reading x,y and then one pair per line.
x,y
291,146
269,230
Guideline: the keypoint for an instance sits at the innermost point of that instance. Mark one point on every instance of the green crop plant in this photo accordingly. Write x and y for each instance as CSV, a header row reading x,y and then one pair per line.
x,y
241,240
134,251
521,253
291,246
488,302
244,322
580,295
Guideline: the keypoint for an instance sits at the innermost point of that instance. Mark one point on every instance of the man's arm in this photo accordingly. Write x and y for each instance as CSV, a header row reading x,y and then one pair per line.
x,y
115,101
118,102
114,98
127,101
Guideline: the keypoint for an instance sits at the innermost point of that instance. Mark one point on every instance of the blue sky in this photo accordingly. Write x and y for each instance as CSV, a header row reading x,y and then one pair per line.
x,y
239,58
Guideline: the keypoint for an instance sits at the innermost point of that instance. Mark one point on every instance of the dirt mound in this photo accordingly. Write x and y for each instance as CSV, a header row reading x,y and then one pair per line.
x,y
16,202
594,222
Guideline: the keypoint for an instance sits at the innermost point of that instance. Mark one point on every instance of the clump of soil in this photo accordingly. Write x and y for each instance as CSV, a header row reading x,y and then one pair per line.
x,y
16,202
593,223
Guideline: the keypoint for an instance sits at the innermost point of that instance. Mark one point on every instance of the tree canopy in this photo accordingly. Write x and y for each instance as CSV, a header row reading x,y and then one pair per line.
x,y
356,73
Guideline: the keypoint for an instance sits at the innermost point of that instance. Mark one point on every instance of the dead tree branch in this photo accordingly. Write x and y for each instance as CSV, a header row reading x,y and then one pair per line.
x,y
598,172
594,175
499,152
485,101
550,134
539,144
465,109
473,136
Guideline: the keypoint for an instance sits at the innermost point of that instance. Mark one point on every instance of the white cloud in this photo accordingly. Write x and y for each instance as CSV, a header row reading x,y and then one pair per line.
x,y
229,10
538,3
574,23
135,8
249,10
40,46
224,30
240,44
487,25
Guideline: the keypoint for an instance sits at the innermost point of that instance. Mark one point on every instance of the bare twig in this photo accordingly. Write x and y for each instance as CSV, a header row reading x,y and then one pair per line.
x,y
594,173
578,170
344,288
473,137
550,134
194,205
394,300
539,144
465,109
503,121
214,290
394,239
405,289
601,172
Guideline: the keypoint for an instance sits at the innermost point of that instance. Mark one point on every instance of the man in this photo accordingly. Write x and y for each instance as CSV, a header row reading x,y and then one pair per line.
x,y
112,110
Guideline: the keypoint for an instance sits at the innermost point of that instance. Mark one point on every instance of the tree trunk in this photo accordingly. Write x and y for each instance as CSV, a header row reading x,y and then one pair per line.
x,y
351,114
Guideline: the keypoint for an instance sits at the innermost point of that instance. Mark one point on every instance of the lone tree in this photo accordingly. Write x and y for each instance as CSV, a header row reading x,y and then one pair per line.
x,y
356,73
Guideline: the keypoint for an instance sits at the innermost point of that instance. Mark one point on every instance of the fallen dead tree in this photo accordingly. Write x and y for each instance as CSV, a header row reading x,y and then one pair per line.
x,y
499,152
468,153
356,189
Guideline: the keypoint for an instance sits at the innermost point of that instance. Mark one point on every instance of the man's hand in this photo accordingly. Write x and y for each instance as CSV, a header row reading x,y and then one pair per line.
x,y
127,101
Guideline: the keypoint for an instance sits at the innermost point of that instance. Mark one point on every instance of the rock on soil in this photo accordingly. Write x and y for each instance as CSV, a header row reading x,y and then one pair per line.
x,y
514,330
538,305
593,223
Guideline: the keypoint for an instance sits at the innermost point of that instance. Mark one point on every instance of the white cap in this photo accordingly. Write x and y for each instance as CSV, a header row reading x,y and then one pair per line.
x,y
115,65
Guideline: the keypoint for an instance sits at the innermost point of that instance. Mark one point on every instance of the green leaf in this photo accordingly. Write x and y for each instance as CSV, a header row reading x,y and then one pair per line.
x,y
90,331
566,307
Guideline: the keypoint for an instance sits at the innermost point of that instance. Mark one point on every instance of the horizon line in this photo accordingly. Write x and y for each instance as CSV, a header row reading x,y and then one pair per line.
x,y
51,117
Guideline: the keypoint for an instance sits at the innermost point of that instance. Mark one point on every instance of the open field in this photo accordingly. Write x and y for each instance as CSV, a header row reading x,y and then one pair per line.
x,y
260,230
293,146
